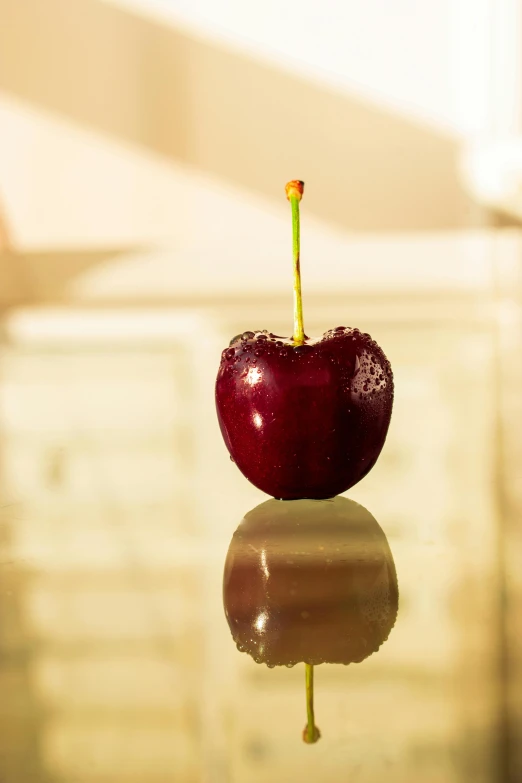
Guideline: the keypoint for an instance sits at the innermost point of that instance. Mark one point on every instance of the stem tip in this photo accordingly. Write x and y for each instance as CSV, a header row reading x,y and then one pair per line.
x,y
311,735
310,732
294,188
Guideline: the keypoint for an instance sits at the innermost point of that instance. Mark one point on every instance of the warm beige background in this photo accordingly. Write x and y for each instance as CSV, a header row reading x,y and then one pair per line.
x,y
144,147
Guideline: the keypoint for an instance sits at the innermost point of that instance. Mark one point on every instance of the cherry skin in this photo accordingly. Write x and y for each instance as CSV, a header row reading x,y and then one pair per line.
x,y
304,421
310,581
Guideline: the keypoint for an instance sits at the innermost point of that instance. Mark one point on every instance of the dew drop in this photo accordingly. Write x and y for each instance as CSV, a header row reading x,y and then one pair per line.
x,y
232,458
235,339
303,349
271,665
230,353
279,344
262,338
247,335
340,328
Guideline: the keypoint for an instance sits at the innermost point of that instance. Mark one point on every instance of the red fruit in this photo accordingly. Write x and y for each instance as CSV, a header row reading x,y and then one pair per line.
x,y
304,421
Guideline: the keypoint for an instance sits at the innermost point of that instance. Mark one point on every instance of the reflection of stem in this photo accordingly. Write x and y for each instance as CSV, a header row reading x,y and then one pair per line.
x,y
311,733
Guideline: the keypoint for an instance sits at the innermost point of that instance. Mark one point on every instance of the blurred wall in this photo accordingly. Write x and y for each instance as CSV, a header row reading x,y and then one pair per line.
x,y
377,140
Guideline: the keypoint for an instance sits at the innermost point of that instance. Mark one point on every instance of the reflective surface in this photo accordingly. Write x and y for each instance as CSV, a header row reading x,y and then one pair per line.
x,y
119,503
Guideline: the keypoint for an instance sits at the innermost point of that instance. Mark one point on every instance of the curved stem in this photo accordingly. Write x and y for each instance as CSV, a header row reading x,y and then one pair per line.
x,y
311,733
294,192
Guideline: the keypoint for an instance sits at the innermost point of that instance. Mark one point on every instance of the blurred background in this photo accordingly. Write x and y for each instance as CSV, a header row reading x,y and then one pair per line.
x,y
144,148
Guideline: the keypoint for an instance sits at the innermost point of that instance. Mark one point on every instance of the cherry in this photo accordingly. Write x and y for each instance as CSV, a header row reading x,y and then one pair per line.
x,y
312,582
305,421
301,417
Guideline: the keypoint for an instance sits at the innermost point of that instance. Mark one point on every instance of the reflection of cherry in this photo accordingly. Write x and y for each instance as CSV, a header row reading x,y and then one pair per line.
x,y
301,417
310,581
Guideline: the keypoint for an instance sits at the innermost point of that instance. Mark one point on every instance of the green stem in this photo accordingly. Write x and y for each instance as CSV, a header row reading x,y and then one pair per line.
x,y
311,733
294,192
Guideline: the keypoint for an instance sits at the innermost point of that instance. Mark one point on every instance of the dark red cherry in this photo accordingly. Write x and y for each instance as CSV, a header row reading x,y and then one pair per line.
x,y
310,581
304,421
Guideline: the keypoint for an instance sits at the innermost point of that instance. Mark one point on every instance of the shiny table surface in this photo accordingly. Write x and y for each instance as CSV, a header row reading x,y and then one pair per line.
x,y
118,505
